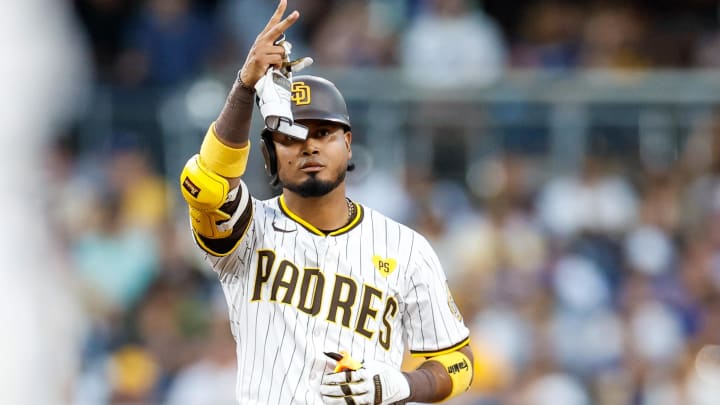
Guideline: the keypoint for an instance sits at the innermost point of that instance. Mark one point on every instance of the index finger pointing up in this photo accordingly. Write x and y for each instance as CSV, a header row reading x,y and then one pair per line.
x,y
277,15
275,31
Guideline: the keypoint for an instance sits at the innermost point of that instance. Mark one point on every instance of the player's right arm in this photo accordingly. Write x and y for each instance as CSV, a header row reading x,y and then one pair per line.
x,y
219,203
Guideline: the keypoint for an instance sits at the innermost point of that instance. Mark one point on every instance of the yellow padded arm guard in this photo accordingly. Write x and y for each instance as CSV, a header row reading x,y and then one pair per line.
x,y
205,192
205,187
460,370
222,159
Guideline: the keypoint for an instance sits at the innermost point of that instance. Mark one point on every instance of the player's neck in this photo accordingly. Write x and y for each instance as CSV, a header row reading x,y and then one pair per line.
x,y
327,212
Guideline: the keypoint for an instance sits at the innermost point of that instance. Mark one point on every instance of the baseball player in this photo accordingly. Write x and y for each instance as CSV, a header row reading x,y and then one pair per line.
x,y
324,293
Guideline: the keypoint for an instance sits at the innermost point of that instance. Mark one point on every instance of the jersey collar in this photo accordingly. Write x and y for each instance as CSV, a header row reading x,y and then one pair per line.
x,y
352,224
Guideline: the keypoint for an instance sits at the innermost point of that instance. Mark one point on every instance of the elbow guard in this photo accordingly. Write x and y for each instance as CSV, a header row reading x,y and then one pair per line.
x,y
460,369
205,192
205,187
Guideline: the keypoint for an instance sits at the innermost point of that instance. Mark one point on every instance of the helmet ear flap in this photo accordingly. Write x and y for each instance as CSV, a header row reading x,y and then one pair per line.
x,y
268,151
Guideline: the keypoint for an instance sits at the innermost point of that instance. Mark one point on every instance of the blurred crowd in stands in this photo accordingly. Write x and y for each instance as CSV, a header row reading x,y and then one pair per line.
x,y
600,286
165,42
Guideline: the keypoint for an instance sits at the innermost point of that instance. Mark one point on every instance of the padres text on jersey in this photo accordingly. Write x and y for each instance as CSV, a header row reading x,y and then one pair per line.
x,y
295,292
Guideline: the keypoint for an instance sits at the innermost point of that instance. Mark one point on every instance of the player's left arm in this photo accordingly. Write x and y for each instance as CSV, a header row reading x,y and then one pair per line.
x,y
434,330
441,377
438,379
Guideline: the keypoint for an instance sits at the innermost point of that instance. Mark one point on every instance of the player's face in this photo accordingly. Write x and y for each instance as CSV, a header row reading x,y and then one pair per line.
x,y
316,166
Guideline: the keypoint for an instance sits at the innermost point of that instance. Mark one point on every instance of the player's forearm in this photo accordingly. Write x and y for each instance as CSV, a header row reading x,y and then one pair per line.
x,y
428,384
431,382
210,179
233,124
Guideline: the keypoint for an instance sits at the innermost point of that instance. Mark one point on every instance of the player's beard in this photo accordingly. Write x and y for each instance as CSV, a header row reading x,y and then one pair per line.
x,y
315,187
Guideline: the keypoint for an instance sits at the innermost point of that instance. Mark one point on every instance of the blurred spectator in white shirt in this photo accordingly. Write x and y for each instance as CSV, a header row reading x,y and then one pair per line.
x,y
591,201
452,44
210,380
558,389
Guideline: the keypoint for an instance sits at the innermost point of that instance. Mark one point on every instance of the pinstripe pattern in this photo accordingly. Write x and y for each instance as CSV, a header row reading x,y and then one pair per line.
x,y
280,346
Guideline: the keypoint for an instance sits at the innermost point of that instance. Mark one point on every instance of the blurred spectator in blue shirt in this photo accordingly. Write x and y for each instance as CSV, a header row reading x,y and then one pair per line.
x,y
168,43
352,36
549,36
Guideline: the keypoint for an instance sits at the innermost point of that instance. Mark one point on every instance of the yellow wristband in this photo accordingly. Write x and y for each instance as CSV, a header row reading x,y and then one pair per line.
x,y
222,159
459,368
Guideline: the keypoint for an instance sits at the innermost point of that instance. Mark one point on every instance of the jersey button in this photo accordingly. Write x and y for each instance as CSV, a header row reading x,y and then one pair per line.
x,y
316,332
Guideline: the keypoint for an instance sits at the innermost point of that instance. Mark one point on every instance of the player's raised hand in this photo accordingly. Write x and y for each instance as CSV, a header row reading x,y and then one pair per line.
x,y
264,52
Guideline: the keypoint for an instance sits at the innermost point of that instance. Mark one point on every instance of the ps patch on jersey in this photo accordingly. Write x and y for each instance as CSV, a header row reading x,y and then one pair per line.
x,y
451,303
383,265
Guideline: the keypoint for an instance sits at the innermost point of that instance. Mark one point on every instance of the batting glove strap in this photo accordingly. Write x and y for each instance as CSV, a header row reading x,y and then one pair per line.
x,y
290,66
374,384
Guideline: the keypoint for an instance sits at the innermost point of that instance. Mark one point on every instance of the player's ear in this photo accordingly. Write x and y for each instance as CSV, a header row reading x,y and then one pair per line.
x,y
348,142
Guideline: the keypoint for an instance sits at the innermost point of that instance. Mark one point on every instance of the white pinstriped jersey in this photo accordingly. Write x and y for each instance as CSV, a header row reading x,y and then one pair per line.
x,y
294,292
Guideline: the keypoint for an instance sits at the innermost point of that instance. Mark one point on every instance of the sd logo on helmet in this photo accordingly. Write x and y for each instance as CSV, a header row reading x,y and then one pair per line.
x,y
313,98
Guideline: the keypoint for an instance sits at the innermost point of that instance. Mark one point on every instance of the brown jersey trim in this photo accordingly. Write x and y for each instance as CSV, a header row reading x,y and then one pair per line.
x,y
431,353
225,246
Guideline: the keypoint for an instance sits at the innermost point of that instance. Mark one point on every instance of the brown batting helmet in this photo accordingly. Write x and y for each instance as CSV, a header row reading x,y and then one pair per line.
x,y
313,98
